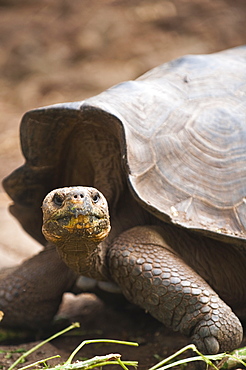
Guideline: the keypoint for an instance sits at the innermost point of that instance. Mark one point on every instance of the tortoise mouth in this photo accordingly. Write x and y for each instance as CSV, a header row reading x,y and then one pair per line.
x,y
78,222
90,226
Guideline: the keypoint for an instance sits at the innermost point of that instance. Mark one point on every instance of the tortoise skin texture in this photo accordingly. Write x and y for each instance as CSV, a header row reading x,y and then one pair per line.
x,y
168,152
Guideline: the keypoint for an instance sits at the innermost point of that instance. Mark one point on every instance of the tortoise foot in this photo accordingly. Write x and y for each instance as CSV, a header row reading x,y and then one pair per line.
x,y
218,332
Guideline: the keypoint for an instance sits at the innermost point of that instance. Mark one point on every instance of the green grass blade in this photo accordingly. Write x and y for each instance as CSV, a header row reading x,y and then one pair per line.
x,y
201,357
33,349
39,362
82,344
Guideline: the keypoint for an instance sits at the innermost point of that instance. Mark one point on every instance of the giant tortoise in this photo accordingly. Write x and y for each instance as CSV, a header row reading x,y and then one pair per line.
x,y
166,154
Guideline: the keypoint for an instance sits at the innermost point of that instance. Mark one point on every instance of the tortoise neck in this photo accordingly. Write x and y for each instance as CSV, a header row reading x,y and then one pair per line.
x,y
85,257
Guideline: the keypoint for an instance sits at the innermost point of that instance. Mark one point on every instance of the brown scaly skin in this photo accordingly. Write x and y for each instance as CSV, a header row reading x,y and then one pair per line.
x,y
20,297
142,262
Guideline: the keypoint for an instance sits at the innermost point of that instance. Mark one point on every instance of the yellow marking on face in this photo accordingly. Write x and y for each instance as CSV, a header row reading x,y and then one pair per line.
x,y
80,222
102,234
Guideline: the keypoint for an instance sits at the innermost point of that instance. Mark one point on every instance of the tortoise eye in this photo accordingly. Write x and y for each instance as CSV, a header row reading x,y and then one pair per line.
x,y
96,198
58,199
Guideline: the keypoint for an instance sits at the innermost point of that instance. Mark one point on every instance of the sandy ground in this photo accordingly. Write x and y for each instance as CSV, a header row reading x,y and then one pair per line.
x,y
61,50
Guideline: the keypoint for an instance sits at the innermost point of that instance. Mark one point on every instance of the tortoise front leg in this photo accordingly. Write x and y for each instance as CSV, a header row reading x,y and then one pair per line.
x,y
31,293
152,276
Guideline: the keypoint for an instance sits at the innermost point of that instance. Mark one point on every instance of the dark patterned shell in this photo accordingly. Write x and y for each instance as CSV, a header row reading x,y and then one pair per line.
x,y
181,130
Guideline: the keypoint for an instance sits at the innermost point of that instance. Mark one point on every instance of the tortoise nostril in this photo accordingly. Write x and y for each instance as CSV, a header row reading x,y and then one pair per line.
x,y
78,196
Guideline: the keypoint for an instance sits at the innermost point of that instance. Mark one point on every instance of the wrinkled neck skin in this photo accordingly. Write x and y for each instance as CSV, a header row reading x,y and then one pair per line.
x,y
86,257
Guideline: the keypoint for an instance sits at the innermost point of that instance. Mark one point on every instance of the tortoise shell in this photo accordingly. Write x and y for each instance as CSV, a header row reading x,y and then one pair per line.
x,y
178,133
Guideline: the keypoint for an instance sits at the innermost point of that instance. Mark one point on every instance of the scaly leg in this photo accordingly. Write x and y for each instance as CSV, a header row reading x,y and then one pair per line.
x,y
31,293
152,276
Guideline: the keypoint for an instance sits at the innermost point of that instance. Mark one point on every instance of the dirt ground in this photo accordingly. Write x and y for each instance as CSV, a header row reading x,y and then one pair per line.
x,y
62,50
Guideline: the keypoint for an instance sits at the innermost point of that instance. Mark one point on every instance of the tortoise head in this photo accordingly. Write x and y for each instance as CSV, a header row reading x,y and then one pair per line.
x,y
76,212
76,221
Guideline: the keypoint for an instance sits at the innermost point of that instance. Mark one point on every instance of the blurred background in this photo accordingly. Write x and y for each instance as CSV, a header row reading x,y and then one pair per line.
x,y
63,50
